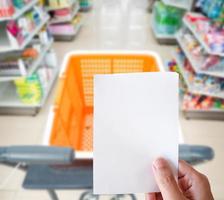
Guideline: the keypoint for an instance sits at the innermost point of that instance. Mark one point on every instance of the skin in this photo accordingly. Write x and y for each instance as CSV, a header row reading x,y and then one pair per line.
x,y
191,184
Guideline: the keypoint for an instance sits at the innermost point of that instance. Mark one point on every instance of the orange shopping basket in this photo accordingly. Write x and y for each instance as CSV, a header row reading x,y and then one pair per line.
x,y
70,121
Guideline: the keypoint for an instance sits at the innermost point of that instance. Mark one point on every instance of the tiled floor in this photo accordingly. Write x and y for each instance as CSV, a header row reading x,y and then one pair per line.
x,y
112,24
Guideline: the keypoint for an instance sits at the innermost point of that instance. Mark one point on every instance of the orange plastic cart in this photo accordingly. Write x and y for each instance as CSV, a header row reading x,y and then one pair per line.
x,y
70,121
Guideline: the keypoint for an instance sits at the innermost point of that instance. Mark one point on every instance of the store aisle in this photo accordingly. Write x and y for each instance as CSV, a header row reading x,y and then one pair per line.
x,y
112,24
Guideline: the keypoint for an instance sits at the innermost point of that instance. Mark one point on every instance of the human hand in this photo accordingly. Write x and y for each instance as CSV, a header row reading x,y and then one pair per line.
x,y
191,185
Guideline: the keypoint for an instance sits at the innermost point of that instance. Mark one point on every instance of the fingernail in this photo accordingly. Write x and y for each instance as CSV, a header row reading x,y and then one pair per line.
x,y
159,163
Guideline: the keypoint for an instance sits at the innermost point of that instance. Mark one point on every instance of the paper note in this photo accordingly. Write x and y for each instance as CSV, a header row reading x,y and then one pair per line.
x,y
135,121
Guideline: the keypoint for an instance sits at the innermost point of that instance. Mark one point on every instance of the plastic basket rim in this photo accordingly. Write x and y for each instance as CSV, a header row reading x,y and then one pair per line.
x,y
111,52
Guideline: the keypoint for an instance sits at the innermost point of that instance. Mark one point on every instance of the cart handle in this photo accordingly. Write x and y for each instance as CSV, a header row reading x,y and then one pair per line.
x,y
42,155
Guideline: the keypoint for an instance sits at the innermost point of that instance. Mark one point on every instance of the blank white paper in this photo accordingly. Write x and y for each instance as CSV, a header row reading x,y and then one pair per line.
x,y
135,121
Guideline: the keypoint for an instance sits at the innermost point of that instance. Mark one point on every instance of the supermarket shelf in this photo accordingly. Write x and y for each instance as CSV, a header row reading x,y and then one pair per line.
x,y
19,12
215,71
183,4
11,104
37,62
204,114
162,38
8,48
34,65
199,37
68,18
61,7
69,37
189,85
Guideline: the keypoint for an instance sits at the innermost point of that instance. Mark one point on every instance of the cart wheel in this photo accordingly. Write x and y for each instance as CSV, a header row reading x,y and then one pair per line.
x,y
124,196
88,195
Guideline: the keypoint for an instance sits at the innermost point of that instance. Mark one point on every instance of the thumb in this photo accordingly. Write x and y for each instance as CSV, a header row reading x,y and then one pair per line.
x,y
165,180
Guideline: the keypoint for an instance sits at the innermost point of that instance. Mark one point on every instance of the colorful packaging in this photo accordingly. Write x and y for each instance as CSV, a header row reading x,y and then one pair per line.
x,y
168,19
29,89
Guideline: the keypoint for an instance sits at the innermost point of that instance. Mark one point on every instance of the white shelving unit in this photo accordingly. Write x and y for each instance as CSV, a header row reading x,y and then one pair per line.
x,y
200,37
10,99
10,102
215,71
182,4
190,86
19,12
67,18
6,47
34,65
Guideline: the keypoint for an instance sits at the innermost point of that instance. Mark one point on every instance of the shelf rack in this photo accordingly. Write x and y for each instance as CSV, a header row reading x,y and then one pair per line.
x,y
215,71
67,18
6,47
199,37
48,8
182,4
10,102
69,37
19,12
162,38
191,88
66,21
34,65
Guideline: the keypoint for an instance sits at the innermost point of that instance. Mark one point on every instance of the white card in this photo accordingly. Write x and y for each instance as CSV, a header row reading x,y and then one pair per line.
x,y
135,121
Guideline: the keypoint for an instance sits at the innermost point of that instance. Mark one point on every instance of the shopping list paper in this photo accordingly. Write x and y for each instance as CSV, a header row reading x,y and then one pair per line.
x,y
135,121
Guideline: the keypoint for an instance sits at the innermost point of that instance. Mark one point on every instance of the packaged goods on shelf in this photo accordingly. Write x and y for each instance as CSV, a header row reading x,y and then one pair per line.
x,y
6,8
208,32
167,19
201,61
21,28
33,88
66,28
45,75
64,15
55,4
214,9
29,89
199,83
23,62
85,4
201,102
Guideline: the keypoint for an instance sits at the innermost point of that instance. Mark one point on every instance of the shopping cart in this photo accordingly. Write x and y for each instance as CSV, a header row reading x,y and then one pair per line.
x,y
56,168
70,125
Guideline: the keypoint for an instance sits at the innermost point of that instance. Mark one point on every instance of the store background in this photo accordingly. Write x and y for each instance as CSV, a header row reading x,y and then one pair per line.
x,y
110,24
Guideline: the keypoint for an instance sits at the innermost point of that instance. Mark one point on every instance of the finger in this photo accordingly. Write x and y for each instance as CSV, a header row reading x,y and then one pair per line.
x,y
165,180
185,169
151,196
159,196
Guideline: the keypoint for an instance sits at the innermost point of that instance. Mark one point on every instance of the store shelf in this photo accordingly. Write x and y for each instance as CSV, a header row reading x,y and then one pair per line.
x,y
67,18
6,47
34,65
199,37
183,4
37,62
204,114
162,38
61,7
10,100
69,36
214,71
19,12
191,88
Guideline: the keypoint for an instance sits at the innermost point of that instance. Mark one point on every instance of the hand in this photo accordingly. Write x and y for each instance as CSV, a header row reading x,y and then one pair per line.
x,y
191,185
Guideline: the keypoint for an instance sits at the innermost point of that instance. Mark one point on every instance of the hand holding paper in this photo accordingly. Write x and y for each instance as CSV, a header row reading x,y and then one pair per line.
x,y
135,121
